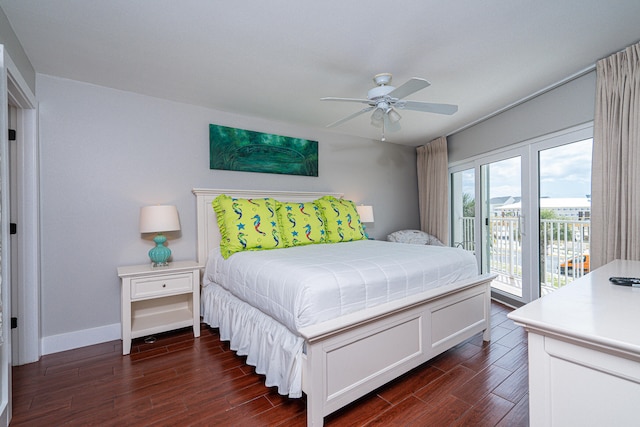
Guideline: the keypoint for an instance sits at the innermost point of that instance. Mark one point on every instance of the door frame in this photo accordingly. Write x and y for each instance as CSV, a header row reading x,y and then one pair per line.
x,y
530,200
523,153
5,289
26,286
556,139
14,89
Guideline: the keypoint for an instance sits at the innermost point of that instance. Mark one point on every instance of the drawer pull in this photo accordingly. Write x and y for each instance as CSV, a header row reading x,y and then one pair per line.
x,y
164,285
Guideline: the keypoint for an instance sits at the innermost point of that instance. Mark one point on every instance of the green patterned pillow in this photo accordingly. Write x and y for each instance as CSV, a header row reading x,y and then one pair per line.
x,y
300,224
246,224
341,219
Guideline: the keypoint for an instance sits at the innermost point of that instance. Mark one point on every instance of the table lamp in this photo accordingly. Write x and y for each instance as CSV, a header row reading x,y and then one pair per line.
x,y
159,219
366,215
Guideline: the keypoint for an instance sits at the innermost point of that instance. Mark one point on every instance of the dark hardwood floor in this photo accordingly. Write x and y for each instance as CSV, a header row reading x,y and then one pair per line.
x,y
183,381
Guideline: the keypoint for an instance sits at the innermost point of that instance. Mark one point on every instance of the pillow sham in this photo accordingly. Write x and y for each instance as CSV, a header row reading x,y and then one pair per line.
x,y
300,223
341,220
246,224
415,237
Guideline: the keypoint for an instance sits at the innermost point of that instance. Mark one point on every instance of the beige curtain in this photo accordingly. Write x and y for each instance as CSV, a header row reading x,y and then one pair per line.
x,y
615,187
433,188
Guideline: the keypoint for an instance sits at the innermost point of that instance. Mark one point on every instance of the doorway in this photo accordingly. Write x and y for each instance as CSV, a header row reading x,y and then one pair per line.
x,y
22,290
23,198
525,213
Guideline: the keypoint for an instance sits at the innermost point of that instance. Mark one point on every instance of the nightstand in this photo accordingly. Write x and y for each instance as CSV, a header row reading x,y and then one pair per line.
x,y
159,299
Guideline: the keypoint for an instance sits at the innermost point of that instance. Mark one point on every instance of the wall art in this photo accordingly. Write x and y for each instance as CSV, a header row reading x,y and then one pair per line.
x,y
249,151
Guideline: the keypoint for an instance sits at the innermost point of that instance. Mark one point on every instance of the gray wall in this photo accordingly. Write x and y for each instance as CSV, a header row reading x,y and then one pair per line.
x,y
12,45
105,153
563,107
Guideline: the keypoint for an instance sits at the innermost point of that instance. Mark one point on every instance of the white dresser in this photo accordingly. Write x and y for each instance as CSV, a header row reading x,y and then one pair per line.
x,y
584,351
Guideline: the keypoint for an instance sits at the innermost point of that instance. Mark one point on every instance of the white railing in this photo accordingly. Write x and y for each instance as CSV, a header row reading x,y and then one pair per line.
x,y
467,242
560,241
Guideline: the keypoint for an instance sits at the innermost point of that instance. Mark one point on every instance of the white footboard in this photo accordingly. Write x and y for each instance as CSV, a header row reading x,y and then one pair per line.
x,y
348,357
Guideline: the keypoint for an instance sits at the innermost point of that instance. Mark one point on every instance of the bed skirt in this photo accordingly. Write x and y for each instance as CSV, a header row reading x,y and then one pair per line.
x,y
270,347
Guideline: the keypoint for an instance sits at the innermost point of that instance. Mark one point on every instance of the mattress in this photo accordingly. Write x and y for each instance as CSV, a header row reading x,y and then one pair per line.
x,y
305,285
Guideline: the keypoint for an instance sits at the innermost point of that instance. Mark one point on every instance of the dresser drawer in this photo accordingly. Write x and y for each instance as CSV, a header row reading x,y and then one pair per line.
x,y
158,286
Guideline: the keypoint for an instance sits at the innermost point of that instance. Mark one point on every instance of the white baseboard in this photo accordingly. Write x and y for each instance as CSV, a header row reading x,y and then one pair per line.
x,y
83,338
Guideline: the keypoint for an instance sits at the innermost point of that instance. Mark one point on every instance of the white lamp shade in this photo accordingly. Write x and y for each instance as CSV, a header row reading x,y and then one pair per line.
x,y
159,218
394,116
365,212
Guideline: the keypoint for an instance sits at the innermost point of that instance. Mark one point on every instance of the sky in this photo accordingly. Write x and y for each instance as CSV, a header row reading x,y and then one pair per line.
x,y
565,172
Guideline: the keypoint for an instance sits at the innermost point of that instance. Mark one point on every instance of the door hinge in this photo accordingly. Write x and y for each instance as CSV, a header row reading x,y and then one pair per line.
x,y
14,322
13,228
12,134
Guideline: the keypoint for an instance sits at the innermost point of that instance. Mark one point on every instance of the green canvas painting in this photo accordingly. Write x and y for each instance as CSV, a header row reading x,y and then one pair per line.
x,y
248,151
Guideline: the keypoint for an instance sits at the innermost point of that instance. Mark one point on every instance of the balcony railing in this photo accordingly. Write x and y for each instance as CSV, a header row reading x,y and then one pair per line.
x,y
564,250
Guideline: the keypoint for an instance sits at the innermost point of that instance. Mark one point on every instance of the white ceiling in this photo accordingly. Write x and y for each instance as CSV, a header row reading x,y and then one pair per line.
x,y
275,59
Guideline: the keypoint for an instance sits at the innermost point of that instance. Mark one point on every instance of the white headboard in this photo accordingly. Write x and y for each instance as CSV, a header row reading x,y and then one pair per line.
x,y
207,225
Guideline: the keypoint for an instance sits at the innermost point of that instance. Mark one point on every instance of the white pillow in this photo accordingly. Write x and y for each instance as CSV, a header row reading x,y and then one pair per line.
x,y
415,237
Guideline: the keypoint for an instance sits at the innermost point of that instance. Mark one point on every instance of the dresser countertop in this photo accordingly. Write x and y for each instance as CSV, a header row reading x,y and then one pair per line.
x,y
590,309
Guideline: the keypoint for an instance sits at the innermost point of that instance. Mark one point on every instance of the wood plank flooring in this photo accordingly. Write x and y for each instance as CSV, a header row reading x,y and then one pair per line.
x,y
183,381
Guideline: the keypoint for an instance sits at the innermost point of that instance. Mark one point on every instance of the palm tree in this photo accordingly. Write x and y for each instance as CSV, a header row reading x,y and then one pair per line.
x,y
468,206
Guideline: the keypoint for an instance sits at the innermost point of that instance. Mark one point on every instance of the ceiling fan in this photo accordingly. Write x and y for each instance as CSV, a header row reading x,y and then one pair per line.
x,y
384,100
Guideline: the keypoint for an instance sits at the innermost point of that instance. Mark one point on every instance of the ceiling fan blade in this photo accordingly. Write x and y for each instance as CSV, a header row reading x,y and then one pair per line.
x,y
427,107
356,114
331,98
411,86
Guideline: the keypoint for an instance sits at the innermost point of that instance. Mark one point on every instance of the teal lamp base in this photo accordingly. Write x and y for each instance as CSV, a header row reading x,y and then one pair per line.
x,y
160,253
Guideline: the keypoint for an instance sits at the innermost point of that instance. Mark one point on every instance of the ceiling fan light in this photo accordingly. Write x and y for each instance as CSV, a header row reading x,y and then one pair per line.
x,y
376,122
378,115
394,116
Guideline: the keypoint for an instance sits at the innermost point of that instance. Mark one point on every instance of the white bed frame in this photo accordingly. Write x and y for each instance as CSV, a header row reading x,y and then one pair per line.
x,y
352,355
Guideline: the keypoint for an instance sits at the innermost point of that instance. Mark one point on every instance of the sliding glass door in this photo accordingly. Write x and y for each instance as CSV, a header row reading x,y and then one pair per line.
x,y
463,209
486,217
564,174
525,213
502,249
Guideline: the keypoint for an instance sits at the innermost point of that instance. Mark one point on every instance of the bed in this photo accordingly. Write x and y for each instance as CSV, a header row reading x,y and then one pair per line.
x,y
315,354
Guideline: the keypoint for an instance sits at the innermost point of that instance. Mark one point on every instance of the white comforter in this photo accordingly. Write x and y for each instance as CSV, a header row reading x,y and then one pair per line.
x,y
304,285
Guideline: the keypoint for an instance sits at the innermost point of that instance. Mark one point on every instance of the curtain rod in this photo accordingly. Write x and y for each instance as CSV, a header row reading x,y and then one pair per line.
x,y
527,98
540,92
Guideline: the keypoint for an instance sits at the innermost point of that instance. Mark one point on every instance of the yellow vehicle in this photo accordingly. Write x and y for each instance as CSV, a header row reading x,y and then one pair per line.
x,y
579,263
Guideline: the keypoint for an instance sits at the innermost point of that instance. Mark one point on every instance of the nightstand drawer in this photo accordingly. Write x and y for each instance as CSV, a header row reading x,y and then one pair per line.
x,y
166,285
